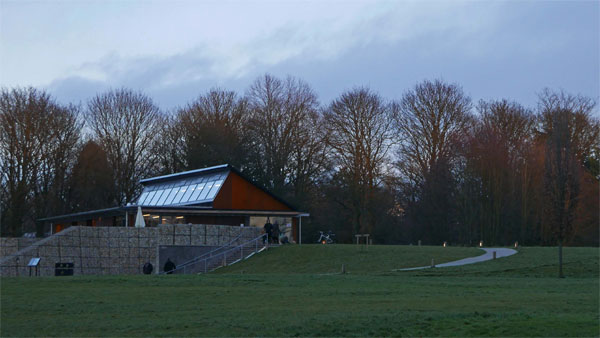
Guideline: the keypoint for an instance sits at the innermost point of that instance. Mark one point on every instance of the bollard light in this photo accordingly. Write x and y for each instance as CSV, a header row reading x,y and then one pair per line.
x,y
516,245
444,244
480,244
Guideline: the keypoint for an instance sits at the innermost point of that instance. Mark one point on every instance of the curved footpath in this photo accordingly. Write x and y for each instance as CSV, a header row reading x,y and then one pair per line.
x,y
488,255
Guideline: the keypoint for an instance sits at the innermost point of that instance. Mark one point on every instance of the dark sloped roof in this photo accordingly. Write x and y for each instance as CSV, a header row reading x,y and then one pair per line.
x,y
193,187
185,174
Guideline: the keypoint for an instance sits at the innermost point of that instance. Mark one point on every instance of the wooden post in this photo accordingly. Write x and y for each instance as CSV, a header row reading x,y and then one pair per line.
x,y
300,230
560,259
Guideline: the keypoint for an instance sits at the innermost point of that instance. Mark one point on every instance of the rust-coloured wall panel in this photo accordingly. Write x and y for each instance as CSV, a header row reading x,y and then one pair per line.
x,y
223,198
239,194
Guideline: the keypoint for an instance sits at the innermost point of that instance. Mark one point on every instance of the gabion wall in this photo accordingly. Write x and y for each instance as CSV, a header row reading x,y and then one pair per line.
x,y
10,245
117,250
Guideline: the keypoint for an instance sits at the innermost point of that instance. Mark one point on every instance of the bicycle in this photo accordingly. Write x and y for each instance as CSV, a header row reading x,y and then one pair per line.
x,y
326,238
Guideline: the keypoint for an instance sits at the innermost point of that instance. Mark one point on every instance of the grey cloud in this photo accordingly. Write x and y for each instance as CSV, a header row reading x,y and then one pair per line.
x,y
513,57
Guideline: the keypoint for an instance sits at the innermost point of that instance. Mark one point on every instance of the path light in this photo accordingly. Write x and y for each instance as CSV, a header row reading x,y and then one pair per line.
x,y
480,244
444,244
516,245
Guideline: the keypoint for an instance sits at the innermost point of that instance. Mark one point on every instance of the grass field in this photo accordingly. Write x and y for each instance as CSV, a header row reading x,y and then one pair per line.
x,y
263,296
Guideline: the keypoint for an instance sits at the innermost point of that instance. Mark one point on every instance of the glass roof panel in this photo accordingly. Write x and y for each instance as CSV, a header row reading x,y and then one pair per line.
x,y
142,197
156,197
172,193
188,193
205,191
185,190
164,196
213,191
196,192
180,192
149,197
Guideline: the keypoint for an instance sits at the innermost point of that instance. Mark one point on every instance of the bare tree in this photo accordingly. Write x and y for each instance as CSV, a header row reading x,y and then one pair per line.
x,y
432,121
170,146
281,110
213,130
570,133
91,183
561,180
584,128
309,160
38,139
498,154
431,118
125,124
360,135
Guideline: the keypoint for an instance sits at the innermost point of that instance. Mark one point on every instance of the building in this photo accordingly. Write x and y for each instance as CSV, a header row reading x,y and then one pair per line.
x,y
216,195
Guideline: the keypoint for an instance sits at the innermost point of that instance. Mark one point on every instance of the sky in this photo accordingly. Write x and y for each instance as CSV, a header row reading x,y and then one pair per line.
x,y
177,50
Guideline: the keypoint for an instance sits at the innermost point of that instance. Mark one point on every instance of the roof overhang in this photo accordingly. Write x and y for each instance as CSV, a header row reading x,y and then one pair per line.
x,y
168,210
184,174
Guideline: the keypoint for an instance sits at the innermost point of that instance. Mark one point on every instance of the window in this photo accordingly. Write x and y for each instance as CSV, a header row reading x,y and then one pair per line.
x,y
197,192
205,191
156,197
187,190
142,198
188,193
172,193
149,197
164,197
215,188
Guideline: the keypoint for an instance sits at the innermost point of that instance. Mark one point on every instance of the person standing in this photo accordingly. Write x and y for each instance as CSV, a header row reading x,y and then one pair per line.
x,y
276,233
169,266
268,228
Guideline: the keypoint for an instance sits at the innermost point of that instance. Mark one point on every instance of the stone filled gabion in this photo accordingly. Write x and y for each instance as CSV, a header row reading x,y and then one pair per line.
x,y
110,250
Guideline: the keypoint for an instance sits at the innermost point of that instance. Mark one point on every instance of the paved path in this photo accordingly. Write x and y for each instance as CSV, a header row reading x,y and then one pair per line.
x,y
489,254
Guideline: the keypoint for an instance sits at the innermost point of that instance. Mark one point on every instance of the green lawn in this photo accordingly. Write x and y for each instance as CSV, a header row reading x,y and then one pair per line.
x,y
514,296
357,259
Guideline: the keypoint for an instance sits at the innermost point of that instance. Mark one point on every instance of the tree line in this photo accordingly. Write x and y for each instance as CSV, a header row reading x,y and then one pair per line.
x,y
432,166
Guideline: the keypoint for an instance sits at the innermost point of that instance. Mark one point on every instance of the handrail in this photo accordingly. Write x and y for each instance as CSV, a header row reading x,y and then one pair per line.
x,y
239,247
195,259
209,253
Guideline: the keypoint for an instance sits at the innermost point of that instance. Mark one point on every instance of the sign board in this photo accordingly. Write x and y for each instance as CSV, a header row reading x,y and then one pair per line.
x,y
34,261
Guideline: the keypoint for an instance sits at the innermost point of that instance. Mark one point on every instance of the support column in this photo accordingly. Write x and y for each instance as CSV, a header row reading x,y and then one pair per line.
x,y
300,230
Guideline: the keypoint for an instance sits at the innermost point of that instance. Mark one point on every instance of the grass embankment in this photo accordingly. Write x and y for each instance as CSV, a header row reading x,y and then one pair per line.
x,y
322,259
515,296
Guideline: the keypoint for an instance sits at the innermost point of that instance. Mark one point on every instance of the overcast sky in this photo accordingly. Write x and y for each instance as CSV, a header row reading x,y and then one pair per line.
x,y
176,50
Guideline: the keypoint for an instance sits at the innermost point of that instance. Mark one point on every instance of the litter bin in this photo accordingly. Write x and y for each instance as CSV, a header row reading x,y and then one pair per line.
x,y
63,269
